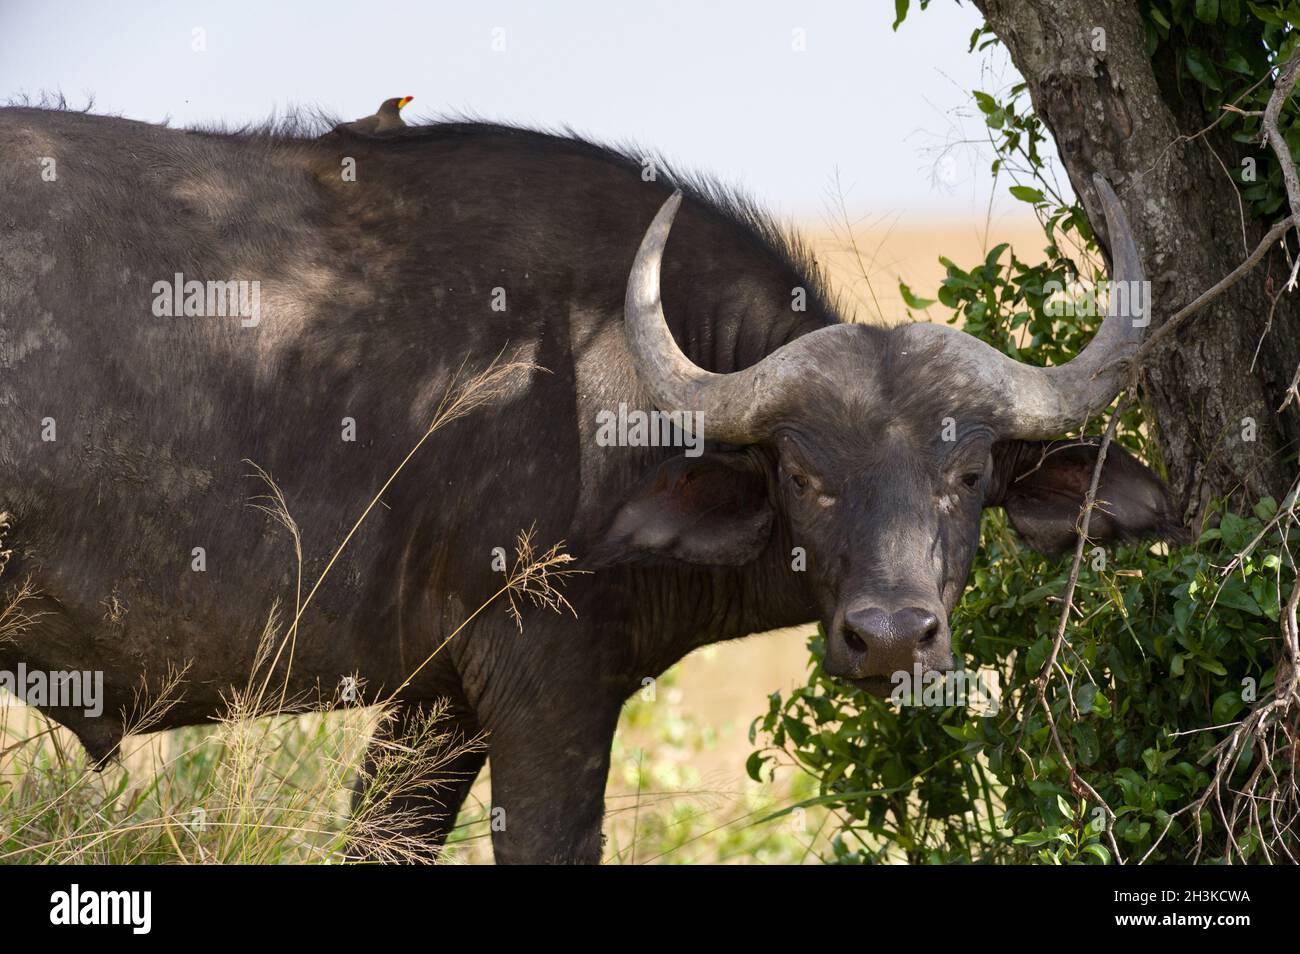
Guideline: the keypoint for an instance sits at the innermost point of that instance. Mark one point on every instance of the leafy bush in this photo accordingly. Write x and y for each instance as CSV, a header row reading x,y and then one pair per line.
x,y
1164,653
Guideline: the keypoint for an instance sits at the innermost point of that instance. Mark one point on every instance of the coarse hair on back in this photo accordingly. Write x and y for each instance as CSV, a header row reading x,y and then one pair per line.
x,y
304,125
729,201
732,202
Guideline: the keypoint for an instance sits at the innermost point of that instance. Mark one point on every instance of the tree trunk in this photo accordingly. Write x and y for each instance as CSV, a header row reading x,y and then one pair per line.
x,y
1110,112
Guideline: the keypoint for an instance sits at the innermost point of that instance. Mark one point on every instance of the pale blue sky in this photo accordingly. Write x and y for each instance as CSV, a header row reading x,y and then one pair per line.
x,y
716,86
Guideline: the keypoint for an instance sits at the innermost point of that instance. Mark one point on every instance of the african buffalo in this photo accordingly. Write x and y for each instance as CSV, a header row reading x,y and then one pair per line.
x,y
378,268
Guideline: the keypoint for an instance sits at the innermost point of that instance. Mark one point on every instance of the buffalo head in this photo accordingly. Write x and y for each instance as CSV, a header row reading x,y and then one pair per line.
x,y
878,449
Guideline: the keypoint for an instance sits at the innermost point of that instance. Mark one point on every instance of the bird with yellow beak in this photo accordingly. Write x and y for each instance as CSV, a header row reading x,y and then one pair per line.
x,y
387,119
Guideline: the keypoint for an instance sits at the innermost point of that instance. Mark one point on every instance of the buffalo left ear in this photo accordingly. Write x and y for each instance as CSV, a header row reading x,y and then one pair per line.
x,y
711,509
1043,484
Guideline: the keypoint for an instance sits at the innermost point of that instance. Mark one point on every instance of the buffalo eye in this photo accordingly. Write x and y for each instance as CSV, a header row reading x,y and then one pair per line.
x,y
971,480
800,482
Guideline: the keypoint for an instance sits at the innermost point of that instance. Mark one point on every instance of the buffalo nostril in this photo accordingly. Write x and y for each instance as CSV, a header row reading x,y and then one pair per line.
x,y
928,627
854,641
865,630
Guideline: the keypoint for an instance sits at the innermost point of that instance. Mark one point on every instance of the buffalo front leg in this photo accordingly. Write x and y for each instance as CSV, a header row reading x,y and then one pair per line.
x,y
419,767
548,786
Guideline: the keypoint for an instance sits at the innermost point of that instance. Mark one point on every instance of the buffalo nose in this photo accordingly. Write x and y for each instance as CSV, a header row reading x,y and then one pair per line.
x,y
890,640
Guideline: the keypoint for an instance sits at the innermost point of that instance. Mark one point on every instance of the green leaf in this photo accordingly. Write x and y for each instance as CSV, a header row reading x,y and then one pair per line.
x,y
1226,707
1086,743
900,12
1265,507
1099,851
1212,665
1234,595
1264,13
1239,64
799,731
991,259
1033,839
911,300
1038,594
1199,65
1027,194
1064,808
987,104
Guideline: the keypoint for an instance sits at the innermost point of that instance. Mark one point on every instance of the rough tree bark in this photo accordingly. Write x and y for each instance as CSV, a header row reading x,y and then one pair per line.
x,y
1119,113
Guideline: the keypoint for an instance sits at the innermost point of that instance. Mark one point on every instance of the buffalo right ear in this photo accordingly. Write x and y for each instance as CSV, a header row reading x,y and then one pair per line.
x,y
1042,486
710,510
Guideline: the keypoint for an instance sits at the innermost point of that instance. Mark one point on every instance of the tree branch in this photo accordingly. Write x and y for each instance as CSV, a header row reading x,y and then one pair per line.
x,y
1286,80
1210,294
1067,599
